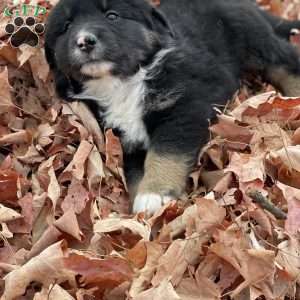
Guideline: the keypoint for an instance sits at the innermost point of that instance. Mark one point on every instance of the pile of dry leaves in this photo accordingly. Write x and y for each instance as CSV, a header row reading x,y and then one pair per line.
x,y
65,231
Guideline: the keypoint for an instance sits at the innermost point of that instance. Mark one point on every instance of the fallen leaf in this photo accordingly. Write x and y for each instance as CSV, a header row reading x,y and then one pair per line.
x,y
140,283
228,129
202,288
5,89
172,264
46,268
7,214
292,196
24,224
89,122
290,156
32,156
288,258
8,186
114,224
164,291
77,166
76,198
53,293
256,266
15,138
138,255
104,274
113,149
68,223
248,168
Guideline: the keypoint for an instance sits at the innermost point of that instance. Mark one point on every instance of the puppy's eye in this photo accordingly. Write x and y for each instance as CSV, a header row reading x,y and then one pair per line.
x,y
112,15
66,26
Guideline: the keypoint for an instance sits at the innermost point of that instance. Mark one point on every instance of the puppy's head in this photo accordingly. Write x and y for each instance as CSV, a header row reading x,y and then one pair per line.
x,y
96,38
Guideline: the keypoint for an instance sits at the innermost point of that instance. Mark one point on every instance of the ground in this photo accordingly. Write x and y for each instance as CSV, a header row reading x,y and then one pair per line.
x,y
65,228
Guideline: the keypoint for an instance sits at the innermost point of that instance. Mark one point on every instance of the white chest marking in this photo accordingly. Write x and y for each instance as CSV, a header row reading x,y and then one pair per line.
x,y
123,102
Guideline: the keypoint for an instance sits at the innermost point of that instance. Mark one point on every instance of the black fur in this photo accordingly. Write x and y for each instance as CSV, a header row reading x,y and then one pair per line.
x,y
215,43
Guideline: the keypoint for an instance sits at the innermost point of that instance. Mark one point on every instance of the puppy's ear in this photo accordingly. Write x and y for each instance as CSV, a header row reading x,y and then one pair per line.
x,y
161,23
62,84
49,53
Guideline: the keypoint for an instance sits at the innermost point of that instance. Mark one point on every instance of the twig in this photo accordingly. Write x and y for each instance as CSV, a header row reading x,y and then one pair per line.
x,y
258,198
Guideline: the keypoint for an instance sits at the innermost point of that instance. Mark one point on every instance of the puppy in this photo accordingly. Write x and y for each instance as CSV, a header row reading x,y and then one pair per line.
x,y
153,74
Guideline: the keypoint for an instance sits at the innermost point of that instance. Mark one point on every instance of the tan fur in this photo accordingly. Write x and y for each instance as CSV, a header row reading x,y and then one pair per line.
x,y
289,84
97,70
165,174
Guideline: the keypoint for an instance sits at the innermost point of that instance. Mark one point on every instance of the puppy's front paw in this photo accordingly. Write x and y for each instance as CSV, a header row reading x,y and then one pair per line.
x,y
149,202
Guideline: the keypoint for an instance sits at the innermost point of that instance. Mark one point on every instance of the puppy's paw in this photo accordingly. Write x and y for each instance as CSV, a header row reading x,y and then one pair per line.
x,y
150,202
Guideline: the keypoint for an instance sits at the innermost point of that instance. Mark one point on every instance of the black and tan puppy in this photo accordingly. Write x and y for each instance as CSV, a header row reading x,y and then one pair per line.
x,y
153,75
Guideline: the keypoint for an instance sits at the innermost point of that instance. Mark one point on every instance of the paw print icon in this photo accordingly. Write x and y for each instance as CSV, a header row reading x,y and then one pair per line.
x,y
24,31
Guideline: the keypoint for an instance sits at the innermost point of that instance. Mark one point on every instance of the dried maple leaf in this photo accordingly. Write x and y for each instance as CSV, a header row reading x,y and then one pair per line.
x,y
138,255
202,217
9,54
164,291
45,239
140,283
54,292
89,121
8,186
247,167
255,265
44,132
292,196
76,167
228,129
68,223
267,107
76,198
54,190
31,156
288,259
113,149
105,274
8,214
46,268
20,137
172,264
23,225
284,165
95,168
114,224
290,156
25,53
201,288
5,89
118,293
269,137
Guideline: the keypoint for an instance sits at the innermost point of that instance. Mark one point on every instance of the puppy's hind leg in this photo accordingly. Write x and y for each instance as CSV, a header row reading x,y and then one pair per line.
x,y
283,28
281,64
287,82
269,54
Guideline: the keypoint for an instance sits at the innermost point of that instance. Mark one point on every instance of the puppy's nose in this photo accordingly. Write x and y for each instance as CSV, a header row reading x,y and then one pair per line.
x,y
86,42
